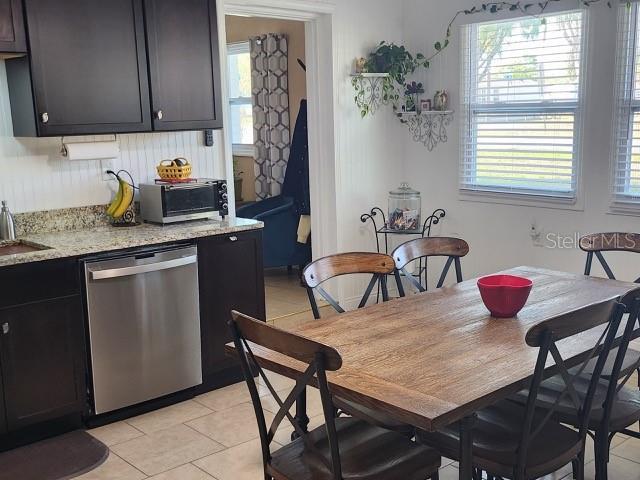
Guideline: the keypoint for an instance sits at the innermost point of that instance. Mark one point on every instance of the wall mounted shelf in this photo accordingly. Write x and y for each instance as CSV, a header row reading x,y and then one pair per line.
x,y
428,127
369,91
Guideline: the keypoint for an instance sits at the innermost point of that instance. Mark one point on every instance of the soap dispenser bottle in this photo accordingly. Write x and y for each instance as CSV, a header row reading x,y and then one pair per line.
x,y
7,226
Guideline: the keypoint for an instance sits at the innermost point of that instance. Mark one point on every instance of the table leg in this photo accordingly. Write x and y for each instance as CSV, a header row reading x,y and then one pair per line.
x,y
301,413
466,447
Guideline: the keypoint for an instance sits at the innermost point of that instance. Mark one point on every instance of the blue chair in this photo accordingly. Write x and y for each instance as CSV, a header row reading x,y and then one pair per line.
x,y
281,214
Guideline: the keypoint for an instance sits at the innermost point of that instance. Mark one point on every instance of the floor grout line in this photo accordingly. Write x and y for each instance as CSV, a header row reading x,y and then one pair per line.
x,y
111,452
203,470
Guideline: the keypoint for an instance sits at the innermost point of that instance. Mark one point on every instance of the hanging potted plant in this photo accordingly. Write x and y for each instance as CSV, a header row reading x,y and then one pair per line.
x,y
398,62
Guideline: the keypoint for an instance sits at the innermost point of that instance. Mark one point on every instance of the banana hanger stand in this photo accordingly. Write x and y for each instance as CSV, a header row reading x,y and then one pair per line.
x,y
121,210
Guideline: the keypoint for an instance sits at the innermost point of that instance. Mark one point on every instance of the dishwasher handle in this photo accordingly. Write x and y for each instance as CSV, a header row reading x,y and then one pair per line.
x,y
139,269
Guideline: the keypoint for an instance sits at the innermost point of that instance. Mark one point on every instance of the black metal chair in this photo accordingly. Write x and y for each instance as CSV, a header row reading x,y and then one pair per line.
x,y
452,248
379,266
616,407
344,448
521,441
594,245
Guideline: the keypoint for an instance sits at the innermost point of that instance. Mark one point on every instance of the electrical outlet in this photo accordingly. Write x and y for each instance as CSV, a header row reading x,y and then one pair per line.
x,y
107,164
536,234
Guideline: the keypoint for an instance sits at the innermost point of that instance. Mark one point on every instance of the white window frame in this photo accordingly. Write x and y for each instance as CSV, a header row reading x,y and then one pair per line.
x,y
521,197
240,149
626,106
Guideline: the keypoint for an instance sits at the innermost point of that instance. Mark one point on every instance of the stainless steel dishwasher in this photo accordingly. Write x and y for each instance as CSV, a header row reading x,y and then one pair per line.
x,y
144,326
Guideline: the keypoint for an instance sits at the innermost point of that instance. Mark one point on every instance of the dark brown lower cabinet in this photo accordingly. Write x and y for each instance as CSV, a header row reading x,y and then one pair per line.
x,y
3,417
231,278
42,354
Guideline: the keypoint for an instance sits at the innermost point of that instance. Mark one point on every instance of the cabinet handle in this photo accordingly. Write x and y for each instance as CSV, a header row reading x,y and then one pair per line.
x,y
159,114
45,117
233,239
5,328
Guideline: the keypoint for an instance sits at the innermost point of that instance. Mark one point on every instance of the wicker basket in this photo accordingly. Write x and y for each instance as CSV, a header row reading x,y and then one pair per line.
x,y
172,170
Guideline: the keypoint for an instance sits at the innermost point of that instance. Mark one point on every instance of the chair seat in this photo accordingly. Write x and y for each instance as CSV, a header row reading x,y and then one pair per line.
x,y
496,436
367,453
374,417
624,413
629,363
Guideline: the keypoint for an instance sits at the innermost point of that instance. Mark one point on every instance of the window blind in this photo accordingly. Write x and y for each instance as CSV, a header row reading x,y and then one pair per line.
x,y
626,152
521,103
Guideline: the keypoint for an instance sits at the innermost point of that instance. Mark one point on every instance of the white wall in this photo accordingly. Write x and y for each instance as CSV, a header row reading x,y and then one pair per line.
x,y
499,234
34,176
369,152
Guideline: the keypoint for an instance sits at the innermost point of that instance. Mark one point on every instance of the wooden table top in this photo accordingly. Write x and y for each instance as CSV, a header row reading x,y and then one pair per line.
x,y
433,358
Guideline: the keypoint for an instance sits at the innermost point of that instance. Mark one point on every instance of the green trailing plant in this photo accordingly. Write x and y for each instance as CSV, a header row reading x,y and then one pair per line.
x,y
526,7
398,62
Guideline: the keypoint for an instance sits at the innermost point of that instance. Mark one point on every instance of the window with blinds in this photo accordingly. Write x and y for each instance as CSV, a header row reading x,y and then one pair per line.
x,y
626,172
521,101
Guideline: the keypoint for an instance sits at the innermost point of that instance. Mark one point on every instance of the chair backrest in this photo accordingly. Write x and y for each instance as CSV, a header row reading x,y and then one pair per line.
x,y
378,265
423,248
596,243
317,357
615,381
544,336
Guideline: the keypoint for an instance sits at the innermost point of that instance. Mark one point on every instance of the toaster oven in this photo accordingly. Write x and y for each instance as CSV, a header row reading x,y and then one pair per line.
x,y
166,202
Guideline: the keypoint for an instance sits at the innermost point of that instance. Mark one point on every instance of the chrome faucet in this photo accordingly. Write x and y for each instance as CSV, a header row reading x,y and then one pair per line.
x,y
7,225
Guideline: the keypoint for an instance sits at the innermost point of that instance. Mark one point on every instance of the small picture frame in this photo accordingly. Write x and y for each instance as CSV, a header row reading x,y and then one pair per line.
x,y
425,105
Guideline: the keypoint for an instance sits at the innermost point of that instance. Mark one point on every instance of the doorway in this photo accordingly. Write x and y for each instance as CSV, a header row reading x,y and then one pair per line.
x,y
268,105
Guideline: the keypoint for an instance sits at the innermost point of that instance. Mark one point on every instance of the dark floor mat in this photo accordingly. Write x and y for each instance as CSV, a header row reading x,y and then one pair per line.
x,y
58,458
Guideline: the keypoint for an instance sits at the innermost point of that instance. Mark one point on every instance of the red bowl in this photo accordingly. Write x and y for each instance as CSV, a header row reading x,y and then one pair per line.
x,y
504,295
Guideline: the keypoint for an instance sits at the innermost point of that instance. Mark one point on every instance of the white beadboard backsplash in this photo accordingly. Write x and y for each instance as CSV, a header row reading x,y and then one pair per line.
x,y
34,176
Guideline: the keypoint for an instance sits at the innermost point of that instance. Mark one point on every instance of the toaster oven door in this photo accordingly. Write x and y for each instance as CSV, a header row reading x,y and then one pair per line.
x,y
187,200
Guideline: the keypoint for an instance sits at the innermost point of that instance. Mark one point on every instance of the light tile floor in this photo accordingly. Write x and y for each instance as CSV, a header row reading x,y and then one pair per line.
x,y
214,437
283,293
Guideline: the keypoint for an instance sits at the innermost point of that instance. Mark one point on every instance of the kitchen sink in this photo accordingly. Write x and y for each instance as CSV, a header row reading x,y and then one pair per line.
x,y
19,246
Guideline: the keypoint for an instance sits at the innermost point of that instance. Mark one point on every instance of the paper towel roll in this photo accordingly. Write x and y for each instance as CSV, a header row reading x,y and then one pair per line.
x,y
92,151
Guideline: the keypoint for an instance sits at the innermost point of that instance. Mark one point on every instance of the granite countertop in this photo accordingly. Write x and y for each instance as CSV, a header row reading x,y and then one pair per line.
x,y
106,238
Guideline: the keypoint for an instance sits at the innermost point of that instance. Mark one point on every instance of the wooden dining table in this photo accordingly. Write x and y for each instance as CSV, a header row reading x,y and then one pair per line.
x,y
434,359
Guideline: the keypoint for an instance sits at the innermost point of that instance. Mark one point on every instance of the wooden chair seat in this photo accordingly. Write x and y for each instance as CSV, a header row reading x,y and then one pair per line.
x,y
367,452
496,436
629,364
374,417
625,410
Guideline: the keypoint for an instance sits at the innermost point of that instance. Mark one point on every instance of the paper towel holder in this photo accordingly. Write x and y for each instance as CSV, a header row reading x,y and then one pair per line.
x,y
63,146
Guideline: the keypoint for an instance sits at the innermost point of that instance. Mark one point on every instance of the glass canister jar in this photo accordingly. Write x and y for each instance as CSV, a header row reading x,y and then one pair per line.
x,y
404,208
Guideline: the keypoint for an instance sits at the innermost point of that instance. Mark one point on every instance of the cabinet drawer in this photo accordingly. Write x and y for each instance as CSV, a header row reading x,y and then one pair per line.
x,y
32,282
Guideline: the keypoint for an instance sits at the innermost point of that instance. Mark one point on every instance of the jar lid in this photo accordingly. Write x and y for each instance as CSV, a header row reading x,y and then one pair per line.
x,y
405,191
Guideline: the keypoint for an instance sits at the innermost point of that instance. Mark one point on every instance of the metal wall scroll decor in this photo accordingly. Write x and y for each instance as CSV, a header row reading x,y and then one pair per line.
x,y
428,127
370,94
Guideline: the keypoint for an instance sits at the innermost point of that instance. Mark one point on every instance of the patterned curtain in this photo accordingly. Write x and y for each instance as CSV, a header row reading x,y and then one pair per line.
x,y
270,90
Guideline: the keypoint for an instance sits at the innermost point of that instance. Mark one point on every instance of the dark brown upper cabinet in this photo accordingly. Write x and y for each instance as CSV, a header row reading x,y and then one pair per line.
x,y
184,64
116,67
12,35
86,72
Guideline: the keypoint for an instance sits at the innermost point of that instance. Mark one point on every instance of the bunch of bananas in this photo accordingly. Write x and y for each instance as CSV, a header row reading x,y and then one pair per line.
x,y
123,199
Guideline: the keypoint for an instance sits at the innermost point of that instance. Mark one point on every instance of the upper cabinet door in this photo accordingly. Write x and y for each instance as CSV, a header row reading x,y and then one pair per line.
x,y
184,64
88,66
12,35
